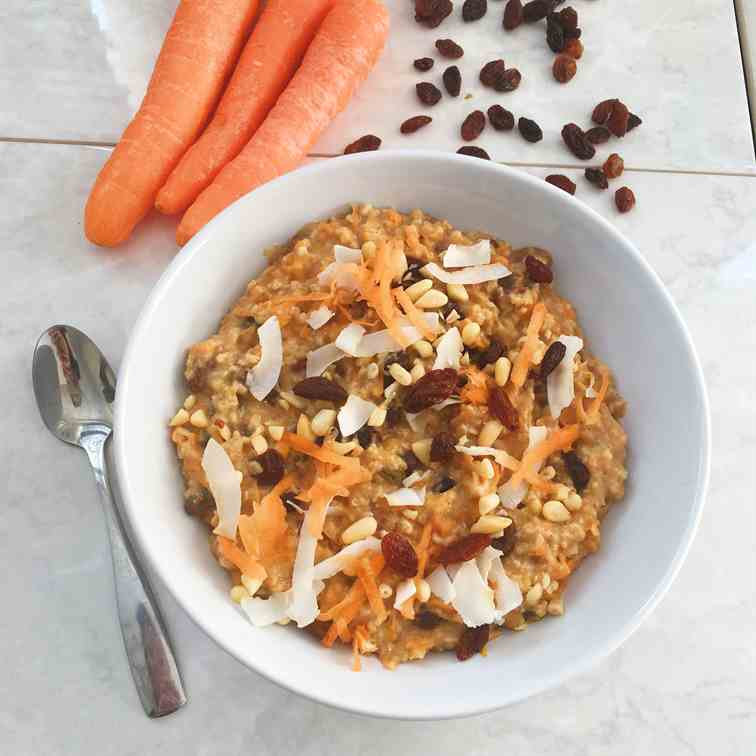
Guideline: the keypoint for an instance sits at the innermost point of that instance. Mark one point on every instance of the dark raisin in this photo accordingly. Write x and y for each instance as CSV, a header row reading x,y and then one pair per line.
x,y
411,462
535,10
597,177
530,130
624,199
502,409
466,548
619,119
472,151
448,48
320,388
410,126
400,554
574,137
577,470
574,48
513,13
505,543
432,12
487,356
614,166
292,502
452,81
501,118
472,641
473,126
412,274
554,355
602,111
554,33
273,468
393,417
633,121
568,17
564,68
442,448
563,182
490,72
462,381
427,620
598,135
199,504
427,93
538,271
423,64
508,80
365,436
432,388
472,10
572,34
366,143
444,485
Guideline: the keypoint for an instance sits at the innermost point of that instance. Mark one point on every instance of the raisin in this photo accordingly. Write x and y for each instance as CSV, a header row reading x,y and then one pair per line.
x,y
462,381
597,177
563,182
487,356
366,143
466,548
400,554
508,80
365,436
413,274
505,543
574,48
452,81
538,271
411,462
490,72
535,10
554,355
598,135
320,388
427,93
473,126
472,641
575,139
442,448
624,199
448,48
568,18
618,120
292,502
501,118
577,470
393,417
530,130
502,409
410,126
444,485
432,12
423,64
431,389
512,14
564,68
472,10
199,504
427,620
614,166
633,121
472,151
554,33
602,111
273,468
572,34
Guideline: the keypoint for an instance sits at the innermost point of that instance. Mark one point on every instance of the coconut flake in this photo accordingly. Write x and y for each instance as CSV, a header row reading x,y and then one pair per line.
x,y
349,338
354,414
405,590
441,586
460,256
445,403
225,485
344,254
318,318
590,392
474,600
336,563
474,275
415,477
319,359
507,594
511,495
262,379
406,497
344,274
449,350
264,612
560,385
486,451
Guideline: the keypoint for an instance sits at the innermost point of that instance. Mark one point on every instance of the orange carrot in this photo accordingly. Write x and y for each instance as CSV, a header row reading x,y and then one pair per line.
x,y
269,59
342,54
558,440
198,54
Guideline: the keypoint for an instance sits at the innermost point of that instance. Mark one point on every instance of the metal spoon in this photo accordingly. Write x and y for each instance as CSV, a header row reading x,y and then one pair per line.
x,y
75,389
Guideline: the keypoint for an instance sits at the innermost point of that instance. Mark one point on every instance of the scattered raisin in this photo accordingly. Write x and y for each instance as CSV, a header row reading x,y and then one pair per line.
x,y
448,48
432,12
564,68
366,143
538,271
530,130
452,81
572,34
502,409
472,641
472,151
442,448
597,177
490,72
272,464
575,139
423,64
602,111
472,10
400,554
577,469
535,10
513,13
508,80
410,126
574,48
598,135
487,356
467,547
554,355
320,388
568,18
554,33
618,120
633,121
393,417
505,543
411,462
501,118
614,166
624,199
365,436
444,485
427,93
427,620
431,389
563,182
292,502
473,125
412,274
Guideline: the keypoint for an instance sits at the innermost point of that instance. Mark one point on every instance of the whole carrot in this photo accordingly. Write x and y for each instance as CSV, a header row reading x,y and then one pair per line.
x,y
269,59
198,54
340,57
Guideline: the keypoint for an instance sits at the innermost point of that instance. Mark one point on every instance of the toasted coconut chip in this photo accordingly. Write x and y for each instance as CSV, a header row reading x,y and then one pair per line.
x,y
474,275
318,318
499,455
465,256
441,585
560,385
345,275
349,338
379,342
405,590
406,497
336,563
264,612
415,477
262,379
449,350
474,600
354,414
507,594
319,359
225,485
416,421
344,254
511,495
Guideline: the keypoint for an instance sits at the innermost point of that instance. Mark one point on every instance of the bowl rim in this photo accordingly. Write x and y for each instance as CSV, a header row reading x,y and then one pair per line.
x,y
443,710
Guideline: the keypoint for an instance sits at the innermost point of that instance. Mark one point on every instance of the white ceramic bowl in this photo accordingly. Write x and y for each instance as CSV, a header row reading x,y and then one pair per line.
x,y
630,321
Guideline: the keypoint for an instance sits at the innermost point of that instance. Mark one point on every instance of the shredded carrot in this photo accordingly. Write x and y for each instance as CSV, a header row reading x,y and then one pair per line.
x,y
423,548
356,664
414,314
524,358
248,534
304,445
367,570
283,449
558,440
355,593
475,391
330,637
314,297
247,564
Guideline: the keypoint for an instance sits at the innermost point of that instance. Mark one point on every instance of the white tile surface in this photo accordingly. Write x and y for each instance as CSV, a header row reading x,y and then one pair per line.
x,y
746,17
684,684
77,70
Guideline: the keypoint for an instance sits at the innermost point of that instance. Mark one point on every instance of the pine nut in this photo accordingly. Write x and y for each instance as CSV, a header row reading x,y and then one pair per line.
x,y
452,317
432,299
417,290
251,584
179,418
276,432
502,368
199,419
400,375
385,590
490,431
561,492
190,401
417,372
377,417
470,333
323,421
488,503
423,590
225,433
555,511
546,580
555,607
238,594
548,472
574,502
423,348
304,429
259,444
293,399
457,292
487,469
421,449
465,359
533,596
359,530
490,524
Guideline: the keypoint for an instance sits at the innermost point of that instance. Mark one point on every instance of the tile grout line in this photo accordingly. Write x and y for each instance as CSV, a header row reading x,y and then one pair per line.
x,y
512,163
743,42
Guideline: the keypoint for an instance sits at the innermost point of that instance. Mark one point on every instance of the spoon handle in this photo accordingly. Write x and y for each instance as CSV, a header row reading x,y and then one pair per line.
x,y
149,653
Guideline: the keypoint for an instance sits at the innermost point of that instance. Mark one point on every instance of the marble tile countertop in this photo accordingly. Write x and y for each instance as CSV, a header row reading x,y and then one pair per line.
x,y
684,684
